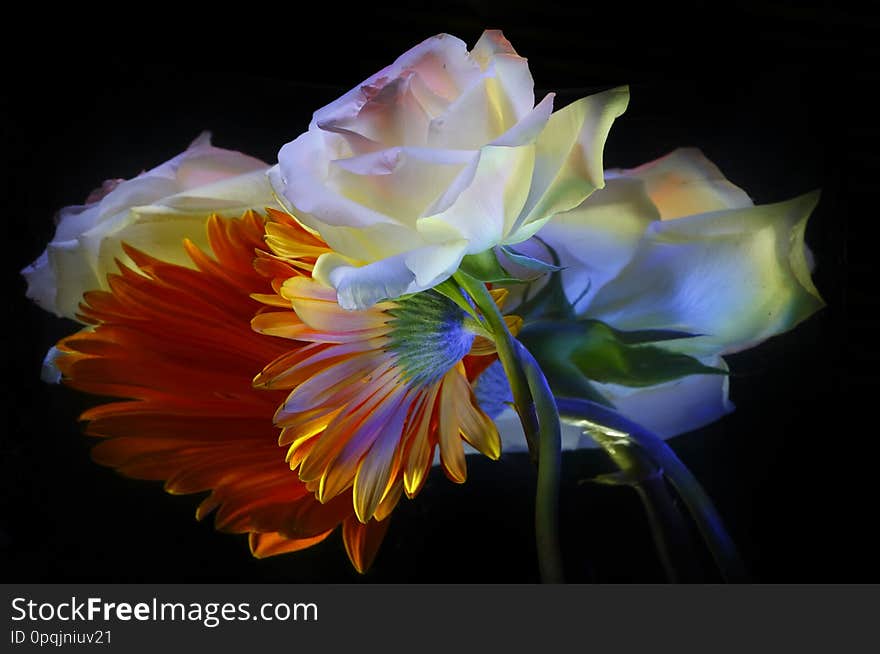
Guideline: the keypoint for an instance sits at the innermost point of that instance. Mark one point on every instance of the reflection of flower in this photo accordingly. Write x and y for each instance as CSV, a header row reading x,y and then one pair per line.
x,y
153,211
673,245
368,405
440,155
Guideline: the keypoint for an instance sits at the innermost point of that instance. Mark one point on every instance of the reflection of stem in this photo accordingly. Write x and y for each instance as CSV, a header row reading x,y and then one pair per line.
x,y
668,528
661,515
537,411
602,422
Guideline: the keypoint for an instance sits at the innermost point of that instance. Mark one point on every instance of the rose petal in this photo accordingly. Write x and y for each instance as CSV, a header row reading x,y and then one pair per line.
x,y
441,63
154,212
473,119
359,287
568,163
596,240
675,407
303,166
531,125
685,182
737,277
494,51
492,201
399,182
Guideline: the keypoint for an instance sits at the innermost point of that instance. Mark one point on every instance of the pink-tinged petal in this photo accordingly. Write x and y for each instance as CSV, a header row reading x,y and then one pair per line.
x,y
441,62
301,178
202,164
392,116
401,182
685,182
493,51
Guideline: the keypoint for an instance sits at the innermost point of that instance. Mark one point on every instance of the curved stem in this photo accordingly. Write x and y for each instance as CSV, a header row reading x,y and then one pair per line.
x,y
699,505
504,344
549,465
540,419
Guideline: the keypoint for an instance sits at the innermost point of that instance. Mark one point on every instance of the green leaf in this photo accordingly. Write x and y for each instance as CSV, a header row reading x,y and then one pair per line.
x,y
526,261
564,377
642,336
550,302
605,355
485,267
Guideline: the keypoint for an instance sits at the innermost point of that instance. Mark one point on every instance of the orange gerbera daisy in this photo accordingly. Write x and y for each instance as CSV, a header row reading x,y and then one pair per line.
x,y
364,397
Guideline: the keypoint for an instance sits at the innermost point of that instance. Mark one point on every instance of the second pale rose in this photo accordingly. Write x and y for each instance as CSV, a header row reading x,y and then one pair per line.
x,y
440,155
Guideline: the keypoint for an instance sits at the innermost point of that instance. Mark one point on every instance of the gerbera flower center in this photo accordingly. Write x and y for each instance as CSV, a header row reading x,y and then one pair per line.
x,y
428,336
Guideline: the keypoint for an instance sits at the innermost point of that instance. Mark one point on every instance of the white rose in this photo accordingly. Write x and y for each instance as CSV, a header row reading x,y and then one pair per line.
x,y
674,245
440,155
153,212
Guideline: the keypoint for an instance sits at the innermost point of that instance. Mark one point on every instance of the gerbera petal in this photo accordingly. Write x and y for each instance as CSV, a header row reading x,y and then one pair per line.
x,y
389,502
451,448
362,541
318,308
177,341
337,434
273,543
373,477
476,427
420,448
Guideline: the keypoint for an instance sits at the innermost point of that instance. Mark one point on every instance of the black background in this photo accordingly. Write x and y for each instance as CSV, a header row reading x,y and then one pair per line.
x,y
780,98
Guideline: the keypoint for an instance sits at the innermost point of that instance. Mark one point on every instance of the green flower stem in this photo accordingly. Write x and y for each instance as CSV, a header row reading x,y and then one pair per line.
x,y
540,419
598,420
504,343
549,464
